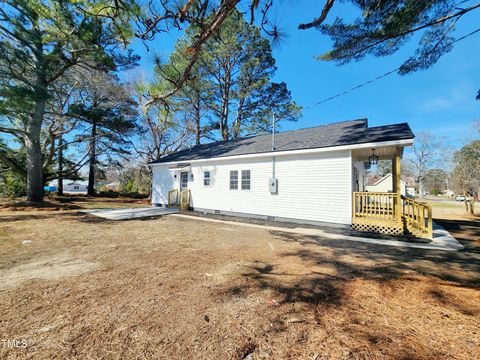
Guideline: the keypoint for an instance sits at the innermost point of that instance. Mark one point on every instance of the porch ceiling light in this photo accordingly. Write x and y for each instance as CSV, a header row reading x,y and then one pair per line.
x,y
373,159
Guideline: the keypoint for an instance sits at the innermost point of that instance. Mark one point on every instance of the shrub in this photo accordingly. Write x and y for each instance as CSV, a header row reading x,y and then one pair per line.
x,y
436,192
12,185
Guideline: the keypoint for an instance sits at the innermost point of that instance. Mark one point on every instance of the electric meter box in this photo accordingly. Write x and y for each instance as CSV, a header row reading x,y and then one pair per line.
x,y
273,185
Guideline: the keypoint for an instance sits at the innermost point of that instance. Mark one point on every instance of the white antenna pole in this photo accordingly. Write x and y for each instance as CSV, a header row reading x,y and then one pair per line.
x,y
273,144
273,131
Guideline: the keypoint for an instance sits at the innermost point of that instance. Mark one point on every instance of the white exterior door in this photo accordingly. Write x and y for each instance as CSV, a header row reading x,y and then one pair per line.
x,y
183,180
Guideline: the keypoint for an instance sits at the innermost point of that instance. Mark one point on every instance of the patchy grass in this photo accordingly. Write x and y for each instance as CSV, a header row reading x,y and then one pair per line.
x,y
447,204
171,288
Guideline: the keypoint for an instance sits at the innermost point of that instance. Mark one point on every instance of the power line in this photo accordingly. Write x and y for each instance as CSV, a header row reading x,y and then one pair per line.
x,y
380,76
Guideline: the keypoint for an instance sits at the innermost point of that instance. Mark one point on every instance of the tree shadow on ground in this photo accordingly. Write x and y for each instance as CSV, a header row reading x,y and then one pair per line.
x,y
313,289
13,217
336,263
46,206
465,231
451,303
388,262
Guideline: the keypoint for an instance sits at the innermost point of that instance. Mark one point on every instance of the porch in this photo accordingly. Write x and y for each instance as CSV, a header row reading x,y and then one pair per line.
x,y
387,212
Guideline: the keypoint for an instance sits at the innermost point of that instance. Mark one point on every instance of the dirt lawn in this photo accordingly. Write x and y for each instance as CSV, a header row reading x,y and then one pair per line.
x,y
76,286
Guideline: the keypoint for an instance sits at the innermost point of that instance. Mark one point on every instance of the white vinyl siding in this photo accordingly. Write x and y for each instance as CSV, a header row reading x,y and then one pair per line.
x,y
316,187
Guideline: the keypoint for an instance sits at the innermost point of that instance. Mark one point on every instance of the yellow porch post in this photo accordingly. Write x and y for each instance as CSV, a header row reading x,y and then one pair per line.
x,y
397,184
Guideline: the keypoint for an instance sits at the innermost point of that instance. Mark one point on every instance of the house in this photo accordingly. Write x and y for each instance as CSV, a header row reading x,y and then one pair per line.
x,y
385,184
70,186
77,187
450,194
312,175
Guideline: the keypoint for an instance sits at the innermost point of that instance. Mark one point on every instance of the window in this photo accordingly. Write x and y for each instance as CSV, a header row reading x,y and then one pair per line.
x,y
245,179
206,178
234,180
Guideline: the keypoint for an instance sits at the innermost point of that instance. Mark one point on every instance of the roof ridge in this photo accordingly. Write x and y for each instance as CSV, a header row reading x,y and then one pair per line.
x,y
311,127
280,132
394,124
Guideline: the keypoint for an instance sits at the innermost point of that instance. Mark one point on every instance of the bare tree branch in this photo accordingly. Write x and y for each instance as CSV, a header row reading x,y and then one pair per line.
x,y
318,21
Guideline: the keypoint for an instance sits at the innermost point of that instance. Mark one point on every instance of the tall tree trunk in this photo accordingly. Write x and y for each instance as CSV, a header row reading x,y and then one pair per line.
x,y
34,154
34,168
198,130
421,188
225,102
224,118
92,160
472,205
238,120
60,164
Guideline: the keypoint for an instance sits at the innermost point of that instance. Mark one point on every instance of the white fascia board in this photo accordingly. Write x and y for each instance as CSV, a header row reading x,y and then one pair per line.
x,y
373,145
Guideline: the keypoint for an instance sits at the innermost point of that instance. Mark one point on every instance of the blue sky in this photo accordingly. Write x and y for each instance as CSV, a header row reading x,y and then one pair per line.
x,y
440,100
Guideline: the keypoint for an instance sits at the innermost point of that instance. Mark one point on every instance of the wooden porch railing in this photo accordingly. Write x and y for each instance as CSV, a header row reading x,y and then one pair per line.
x,y
185,200
374,205
174,200
418,216
184,196
370,208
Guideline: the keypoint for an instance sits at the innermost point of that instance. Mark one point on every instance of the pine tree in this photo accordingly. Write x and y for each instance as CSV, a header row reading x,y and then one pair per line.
x,y
384,27
39,42
109,116
229,92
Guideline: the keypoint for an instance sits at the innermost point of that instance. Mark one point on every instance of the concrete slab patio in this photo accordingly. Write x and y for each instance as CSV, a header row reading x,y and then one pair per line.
x,y
130,213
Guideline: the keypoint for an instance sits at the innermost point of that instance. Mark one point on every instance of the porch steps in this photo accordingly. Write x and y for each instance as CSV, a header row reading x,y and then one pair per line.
x,y
180,199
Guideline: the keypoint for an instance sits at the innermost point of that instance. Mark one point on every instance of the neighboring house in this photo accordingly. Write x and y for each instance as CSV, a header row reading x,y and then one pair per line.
x,y
449,194
311,176
385,184
70,186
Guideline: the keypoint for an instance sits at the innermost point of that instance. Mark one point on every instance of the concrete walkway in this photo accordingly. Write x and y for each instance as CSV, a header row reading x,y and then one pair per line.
x,y
130,213
442,240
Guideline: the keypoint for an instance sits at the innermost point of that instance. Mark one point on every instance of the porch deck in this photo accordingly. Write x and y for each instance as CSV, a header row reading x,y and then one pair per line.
x,y
391,213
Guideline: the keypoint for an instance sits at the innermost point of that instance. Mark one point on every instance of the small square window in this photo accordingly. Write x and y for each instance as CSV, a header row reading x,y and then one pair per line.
x,y
234,180
206,178
245,179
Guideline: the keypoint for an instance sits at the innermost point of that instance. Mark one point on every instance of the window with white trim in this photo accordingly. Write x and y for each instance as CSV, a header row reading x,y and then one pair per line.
x,y
245,179
233,180
206,178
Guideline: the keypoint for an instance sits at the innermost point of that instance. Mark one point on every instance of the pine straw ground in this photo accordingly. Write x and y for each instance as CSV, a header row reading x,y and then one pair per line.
x,y
171,288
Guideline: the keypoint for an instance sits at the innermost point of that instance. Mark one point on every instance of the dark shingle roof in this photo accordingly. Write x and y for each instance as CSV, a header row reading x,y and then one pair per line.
x,y
336,134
